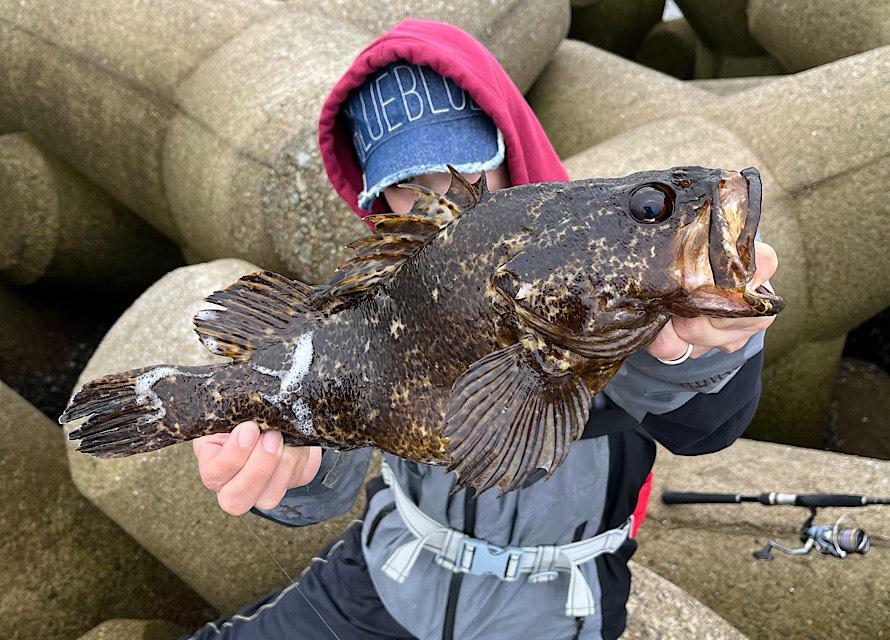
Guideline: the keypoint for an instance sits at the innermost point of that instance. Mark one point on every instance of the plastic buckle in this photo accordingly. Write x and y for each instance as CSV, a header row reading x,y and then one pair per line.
x,y
489,559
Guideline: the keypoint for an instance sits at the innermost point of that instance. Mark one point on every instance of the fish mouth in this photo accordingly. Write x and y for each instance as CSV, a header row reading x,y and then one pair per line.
x,y
717,278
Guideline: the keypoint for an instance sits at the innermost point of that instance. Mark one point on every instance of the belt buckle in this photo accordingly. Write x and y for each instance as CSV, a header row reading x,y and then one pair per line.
x,y
490,559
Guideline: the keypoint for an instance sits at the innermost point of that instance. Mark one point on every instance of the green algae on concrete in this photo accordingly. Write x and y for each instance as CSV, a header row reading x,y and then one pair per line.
x,y
133,630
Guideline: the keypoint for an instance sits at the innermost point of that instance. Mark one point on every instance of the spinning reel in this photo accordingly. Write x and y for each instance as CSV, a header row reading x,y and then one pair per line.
x,y
830,540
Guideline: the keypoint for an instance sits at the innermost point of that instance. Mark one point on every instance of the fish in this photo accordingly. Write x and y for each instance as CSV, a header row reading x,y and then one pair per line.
x,y
470,333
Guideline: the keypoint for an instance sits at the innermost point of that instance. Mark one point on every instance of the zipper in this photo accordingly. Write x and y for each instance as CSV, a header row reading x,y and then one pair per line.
x,y
457,578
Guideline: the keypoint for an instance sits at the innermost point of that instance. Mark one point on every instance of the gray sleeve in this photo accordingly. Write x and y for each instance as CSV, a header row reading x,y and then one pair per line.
x,y
644,385
330,494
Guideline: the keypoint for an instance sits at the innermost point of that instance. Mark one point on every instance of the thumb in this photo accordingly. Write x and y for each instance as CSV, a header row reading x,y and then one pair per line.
x,y
766,262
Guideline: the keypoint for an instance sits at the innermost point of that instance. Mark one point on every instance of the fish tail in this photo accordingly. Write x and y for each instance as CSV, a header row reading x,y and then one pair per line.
x,y
126,412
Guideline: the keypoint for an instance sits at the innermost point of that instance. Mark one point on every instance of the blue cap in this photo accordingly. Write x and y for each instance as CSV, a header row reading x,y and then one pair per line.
x,y
406,120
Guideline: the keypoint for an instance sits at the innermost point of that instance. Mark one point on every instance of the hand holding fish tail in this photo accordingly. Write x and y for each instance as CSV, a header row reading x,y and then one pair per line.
x,y
247,468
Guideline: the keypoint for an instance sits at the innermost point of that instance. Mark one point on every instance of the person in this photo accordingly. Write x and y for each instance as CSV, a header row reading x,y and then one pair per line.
x,y
422,95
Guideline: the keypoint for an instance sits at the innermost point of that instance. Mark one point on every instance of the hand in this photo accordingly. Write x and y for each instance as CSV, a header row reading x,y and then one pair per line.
x,y
726,334
246,469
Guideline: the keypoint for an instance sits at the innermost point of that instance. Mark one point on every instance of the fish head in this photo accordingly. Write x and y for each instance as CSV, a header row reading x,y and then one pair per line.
x,y
692,230
604,263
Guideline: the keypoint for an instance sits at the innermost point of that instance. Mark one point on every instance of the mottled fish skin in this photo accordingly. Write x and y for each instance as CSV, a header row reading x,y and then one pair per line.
x,y
562,270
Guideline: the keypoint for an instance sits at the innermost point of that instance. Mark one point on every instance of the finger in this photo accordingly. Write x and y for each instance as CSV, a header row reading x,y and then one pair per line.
x,y
667,344
742,324
293,459
766,260
698,351
240,493
218,468
700,331
732,347
205,444
310,470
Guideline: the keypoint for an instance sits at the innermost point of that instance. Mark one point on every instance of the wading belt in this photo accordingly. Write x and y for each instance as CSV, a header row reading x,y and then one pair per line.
x,y
459,552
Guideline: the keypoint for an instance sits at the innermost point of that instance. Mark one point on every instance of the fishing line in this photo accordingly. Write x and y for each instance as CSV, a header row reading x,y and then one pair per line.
x,y
287,575
265,550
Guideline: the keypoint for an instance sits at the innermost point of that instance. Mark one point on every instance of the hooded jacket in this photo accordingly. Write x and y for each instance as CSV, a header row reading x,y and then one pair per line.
x,y
697,407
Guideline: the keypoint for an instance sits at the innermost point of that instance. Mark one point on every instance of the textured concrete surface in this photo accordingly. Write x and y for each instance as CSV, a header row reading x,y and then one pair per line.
x,y
133,630
201,116
29,340
670,48
587,95
713,64
158,498
706,549
521,34
615,25
823,163
722,26
59,226
859,420
797,390
801,34
660,610
65,565
727,86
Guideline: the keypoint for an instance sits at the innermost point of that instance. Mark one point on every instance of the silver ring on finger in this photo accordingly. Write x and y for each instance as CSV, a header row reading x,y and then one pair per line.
x,y
681,359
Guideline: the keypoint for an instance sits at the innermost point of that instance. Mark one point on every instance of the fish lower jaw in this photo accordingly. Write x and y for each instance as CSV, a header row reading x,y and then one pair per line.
x,y
763,299
742,302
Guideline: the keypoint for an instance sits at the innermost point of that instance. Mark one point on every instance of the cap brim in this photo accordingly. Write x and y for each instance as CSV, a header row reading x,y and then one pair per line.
x,y
470,145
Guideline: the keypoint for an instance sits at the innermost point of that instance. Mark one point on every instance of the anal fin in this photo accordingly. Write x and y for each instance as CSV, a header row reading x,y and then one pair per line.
x,y
507,417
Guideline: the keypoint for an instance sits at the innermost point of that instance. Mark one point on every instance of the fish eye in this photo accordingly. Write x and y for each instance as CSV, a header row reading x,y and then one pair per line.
x,y
652,203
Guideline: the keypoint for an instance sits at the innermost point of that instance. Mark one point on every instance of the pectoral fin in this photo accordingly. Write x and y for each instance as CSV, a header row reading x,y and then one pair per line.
x,y
507,416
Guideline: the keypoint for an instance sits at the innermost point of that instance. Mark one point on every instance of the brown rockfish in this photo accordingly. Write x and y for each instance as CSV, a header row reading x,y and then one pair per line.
x,y
470,332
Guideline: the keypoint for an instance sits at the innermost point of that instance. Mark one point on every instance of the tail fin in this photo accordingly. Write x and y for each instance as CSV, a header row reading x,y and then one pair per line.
x,y
126,414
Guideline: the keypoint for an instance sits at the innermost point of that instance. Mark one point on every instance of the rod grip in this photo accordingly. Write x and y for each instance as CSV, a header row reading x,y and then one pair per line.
x,y
829,500
682,497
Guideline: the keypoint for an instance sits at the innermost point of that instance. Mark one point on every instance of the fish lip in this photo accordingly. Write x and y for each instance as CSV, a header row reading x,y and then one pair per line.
x,y
735,214
732,256
745,241
763,300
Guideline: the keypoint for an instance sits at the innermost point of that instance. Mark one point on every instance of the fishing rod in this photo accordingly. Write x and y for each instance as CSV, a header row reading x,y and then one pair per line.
x,y
827,539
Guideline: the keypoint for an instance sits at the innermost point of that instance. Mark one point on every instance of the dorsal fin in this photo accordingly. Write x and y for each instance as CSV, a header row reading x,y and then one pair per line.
x,y
463,193
428,204
258,309
399,236
377,257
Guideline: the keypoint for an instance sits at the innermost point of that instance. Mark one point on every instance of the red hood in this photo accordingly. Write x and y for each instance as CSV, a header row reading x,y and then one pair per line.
x,y
454,54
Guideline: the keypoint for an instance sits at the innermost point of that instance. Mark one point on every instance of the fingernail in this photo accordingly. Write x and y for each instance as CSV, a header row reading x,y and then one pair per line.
x,y
247,434
271,441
